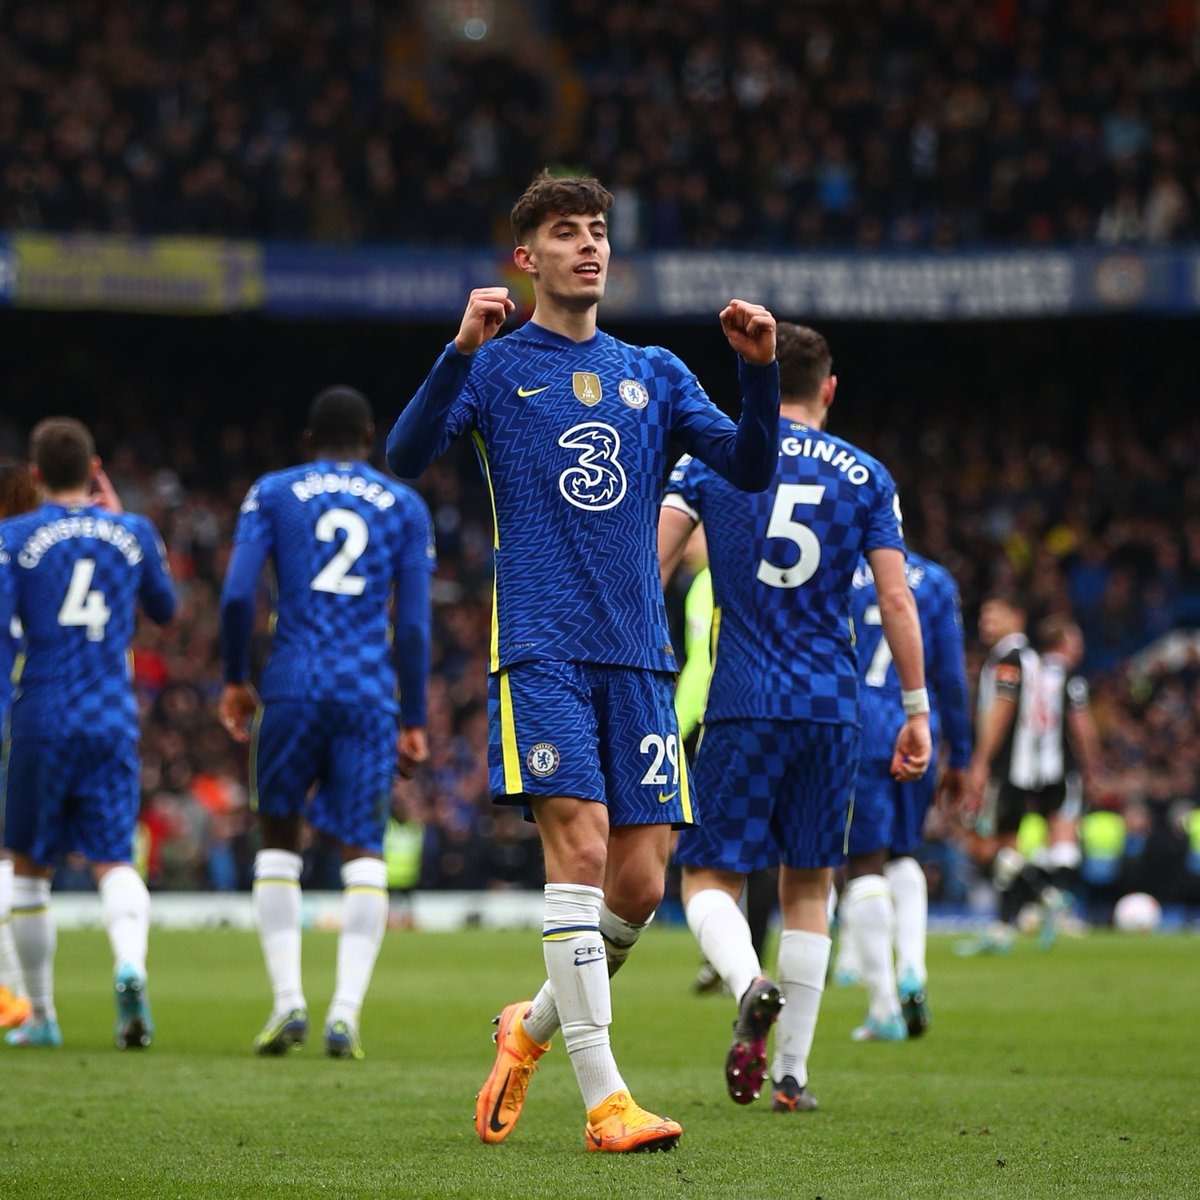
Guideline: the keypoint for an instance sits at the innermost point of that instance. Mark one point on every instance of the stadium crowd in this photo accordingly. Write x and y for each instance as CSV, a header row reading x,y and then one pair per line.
x,y
894,123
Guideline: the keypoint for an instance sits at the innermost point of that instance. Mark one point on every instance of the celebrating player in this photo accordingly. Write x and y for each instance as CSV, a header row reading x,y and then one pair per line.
x,y
572,428
73,572
777,763
884,909
346,543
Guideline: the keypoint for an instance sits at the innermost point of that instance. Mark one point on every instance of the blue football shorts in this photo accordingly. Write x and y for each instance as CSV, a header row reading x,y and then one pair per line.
x,y
889,815
346,752
593,732
81,795
772,792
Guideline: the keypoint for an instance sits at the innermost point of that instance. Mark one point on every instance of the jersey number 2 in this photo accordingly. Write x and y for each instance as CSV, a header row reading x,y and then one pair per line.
x,y
84,605
335,575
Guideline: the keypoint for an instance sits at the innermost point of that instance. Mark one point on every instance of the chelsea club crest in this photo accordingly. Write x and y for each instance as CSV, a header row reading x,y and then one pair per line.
x,y
633,393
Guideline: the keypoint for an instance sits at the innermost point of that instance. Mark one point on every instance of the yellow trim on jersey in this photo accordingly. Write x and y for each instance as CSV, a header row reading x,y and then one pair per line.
x,y
513,783
254,758
18,668
685,796
494,651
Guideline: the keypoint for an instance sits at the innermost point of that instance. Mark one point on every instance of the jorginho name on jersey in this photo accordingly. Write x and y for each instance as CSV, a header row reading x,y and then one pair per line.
x,y
338,534
938,608
573,439
74,575
782,564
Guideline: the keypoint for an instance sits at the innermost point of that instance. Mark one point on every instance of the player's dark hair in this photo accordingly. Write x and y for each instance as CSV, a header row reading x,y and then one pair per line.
x,y
340,419
1053,630
561,195
62,449
804,360
18,492
1010,596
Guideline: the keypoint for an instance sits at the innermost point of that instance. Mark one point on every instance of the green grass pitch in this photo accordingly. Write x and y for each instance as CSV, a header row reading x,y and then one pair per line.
x,y
1069,1073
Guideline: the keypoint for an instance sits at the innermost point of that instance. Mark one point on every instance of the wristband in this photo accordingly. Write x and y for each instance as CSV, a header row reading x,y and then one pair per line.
x,y
915,702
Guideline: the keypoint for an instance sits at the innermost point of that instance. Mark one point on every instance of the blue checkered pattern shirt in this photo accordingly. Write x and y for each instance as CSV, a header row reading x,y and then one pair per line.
x,y
782,564
74,576
573,439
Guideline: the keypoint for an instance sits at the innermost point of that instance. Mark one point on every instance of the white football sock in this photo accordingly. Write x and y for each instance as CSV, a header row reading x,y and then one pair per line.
x,y
541,1021
910,897
36,939
10,964
803,961
721,929
364,919
277,912
869,901
847,962
125,906
619,936
575,965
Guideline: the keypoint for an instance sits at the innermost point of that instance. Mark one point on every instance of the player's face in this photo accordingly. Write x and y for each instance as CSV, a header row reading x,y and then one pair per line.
x,y
997,620
568,257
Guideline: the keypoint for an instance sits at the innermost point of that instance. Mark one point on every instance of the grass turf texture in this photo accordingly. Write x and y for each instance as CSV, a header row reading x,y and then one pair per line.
x,y
1069,1073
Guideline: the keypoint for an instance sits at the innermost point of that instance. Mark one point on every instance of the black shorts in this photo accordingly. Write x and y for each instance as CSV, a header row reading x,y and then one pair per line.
x,y
1003,807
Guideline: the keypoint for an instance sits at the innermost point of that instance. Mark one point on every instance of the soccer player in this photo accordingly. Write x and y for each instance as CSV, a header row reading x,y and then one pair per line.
x,y
776,767
346,543
572,430
74,573
1004,775
1070,754
18,494
884,907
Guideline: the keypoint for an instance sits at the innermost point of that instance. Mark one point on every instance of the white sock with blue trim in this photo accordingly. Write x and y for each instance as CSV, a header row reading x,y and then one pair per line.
x,y
364,919
277,913
576,967
125,905
36,939
10,965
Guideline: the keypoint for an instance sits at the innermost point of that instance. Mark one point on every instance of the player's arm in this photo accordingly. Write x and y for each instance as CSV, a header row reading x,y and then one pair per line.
x,y
238,699
412,642
948,679
8,615
156,593
1081,728
744,453
424,430
995,727
902,628
676,521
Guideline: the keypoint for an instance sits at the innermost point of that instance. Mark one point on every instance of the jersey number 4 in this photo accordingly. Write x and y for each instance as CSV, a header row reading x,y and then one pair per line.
x,y
335,575
83,604
783,524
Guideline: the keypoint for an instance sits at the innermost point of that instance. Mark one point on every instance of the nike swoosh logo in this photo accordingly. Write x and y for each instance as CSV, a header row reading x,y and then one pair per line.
x,y
494,1123
596,1141
668,797
531,391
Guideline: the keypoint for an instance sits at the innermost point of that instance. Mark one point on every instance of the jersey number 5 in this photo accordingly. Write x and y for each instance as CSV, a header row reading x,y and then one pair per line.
x,y
784,525
335,575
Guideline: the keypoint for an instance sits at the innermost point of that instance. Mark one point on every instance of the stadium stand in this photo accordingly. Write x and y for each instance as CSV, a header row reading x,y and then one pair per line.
x,y
894,124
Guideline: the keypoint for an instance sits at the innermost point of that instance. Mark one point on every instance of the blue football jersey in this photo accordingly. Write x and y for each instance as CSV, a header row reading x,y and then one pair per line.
x,y
573,439
339,535
782,563
74,576
940,613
